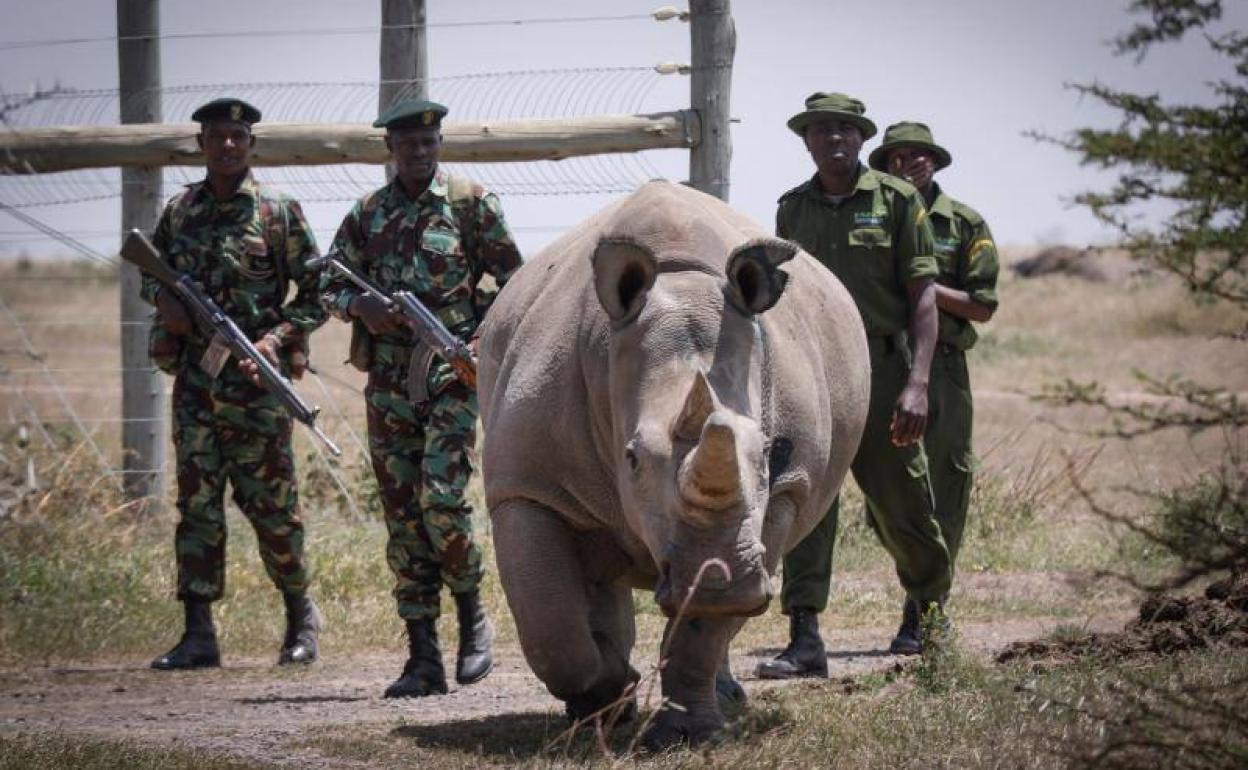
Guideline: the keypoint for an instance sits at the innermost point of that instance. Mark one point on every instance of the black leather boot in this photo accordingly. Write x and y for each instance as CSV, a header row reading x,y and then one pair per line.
x,y
423,673
303,627
805,656
909,639
476,635
198,646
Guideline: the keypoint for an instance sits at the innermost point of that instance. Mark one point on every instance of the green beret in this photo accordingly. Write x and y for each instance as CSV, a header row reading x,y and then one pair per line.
x,y
235,110
908,134
411,113
826,106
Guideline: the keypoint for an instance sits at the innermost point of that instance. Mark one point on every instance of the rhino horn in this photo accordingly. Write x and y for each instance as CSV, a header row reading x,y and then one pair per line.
x,y
699,404
710,476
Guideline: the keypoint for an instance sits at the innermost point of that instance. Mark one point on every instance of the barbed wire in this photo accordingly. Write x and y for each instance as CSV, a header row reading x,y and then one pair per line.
x,y
508,95
661,14
490,96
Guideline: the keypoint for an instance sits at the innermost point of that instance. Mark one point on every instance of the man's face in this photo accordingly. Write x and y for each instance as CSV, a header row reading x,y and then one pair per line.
x,y
834,145
415,152
227,147
913,164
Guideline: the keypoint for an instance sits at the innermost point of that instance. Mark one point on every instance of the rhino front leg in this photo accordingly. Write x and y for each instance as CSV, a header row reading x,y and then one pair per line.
x,y
697,650
576,628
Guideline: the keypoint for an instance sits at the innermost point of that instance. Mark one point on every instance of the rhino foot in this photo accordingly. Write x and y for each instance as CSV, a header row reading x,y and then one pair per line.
x,y
619,711
673,727
728,692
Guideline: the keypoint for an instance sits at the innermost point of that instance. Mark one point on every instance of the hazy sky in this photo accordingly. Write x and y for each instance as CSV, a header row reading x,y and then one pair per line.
x,y
980,72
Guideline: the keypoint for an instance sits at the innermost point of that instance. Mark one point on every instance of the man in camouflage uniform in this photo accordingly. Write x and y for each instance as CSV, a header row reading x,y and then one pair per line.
x,y
243,244
871,231
966,292
434,234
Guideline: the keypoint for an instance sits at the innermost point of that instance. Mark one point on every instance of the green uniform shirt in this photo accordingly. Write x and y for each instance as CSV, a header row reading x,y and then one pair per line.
x,y
243,251
968,261
875,240
434,247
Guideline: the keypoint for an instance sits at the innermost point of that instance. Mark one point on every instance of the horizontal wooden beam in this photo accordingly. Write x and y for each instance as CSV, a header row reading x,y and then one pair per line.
x,y
67,148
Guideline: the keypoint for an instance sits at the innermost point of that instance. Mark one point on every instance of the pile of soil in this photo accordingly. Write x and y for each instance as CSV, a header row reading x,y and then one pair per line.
x,y
1165,625
1080,263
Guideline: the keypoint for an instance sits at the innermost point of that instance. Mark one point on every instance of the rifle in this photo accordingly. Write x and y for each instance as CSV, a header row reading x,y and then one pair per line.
x,y
425,324
221,329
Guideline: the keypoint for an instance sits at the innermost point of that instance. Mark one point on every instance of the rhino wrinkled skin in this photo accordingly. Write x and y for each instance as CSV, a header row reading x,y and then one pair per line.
x,y
654,395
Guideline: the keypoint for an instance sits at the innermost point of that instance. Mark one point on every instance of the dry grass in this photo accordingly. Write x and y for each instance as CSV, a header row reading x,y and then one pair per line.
x,y
83,577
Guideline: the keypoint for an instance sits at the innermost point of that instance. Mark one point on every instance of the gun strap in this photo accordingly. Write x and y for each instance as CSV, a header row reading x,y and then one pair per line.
x,y
275,219
460,192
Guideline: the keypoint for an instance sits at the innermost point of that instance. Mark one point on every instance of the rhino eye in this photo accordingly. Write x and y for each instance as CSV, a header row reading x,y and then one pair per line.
x,y
631,457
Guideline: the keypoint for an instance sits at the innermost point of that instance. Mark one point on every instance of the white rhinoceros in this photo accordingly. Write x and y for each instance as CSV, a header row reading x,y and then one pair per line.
x,y
657,393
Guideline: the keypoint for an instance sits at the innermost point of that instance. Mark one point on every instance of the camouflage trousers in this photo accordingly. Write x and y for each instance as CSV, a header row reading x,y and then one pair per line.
x,y
230,430
421,457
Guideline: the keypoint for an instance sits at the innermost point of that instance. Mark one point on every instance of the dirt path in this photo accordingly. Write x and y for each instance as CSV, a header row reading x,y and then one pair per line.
x,y
251,709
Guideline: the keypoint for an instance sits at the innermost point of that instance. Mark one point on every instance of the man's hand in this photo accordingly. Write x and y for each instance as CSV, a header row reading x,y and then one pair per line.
x,y
910,416
375,315
919,171
267,346
173,313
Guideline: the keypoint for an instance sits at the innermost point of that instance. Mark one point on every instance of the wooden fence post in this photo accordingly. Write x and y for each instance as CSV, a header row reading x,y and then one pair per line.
x,y
404,56
144,415
714,44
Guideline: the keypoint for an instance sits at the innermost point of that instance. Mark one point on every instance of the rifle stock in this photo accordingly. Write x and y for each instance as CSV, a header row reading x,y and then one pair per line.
x,y
140,252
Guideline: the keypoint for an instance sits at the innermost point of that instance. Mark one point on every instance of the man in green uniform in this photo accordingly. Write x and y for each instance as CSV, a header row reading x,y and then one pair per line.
x,y
871,231
243,243
966,292
434,234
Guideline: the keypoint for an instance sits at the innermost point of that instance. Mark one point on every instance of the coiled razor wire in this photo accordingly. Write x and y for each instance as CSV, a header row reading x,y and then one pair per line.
x,y
548,93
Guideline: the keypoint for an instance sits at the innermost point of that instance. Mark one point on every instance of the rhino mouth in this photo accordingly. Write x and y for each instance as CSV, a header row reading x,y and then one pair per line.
x,y
746,593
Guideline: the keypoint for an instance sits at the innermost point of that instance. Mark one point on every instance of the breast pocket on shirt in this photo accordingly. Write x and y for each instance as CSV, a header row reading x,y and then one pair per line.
x,y
870,238
256,258
442,251
253,262
875,245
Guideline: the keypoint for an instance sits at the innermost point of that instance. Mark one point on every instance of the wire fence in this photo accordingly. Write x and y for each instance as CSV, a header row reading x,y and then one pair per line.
x,y
574,92
62,389
60,360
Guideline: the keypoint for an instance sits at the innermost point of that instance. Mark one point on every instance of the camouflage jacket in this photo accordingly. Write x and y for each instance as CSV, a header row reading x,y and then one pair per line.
x,y
244,252
967,257
433,246
875,240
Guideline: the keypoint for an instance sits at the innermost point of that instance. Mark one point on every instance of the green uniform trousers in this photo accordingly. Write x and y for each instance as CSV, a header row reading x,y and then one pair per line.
x,y
422,457
228,429
948,443
900,508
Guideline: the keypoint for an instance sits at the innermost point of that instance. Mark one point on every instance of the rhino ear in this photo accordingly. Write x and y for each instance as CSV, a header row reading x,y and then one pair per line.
x,y
699,404
755,281
624,271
